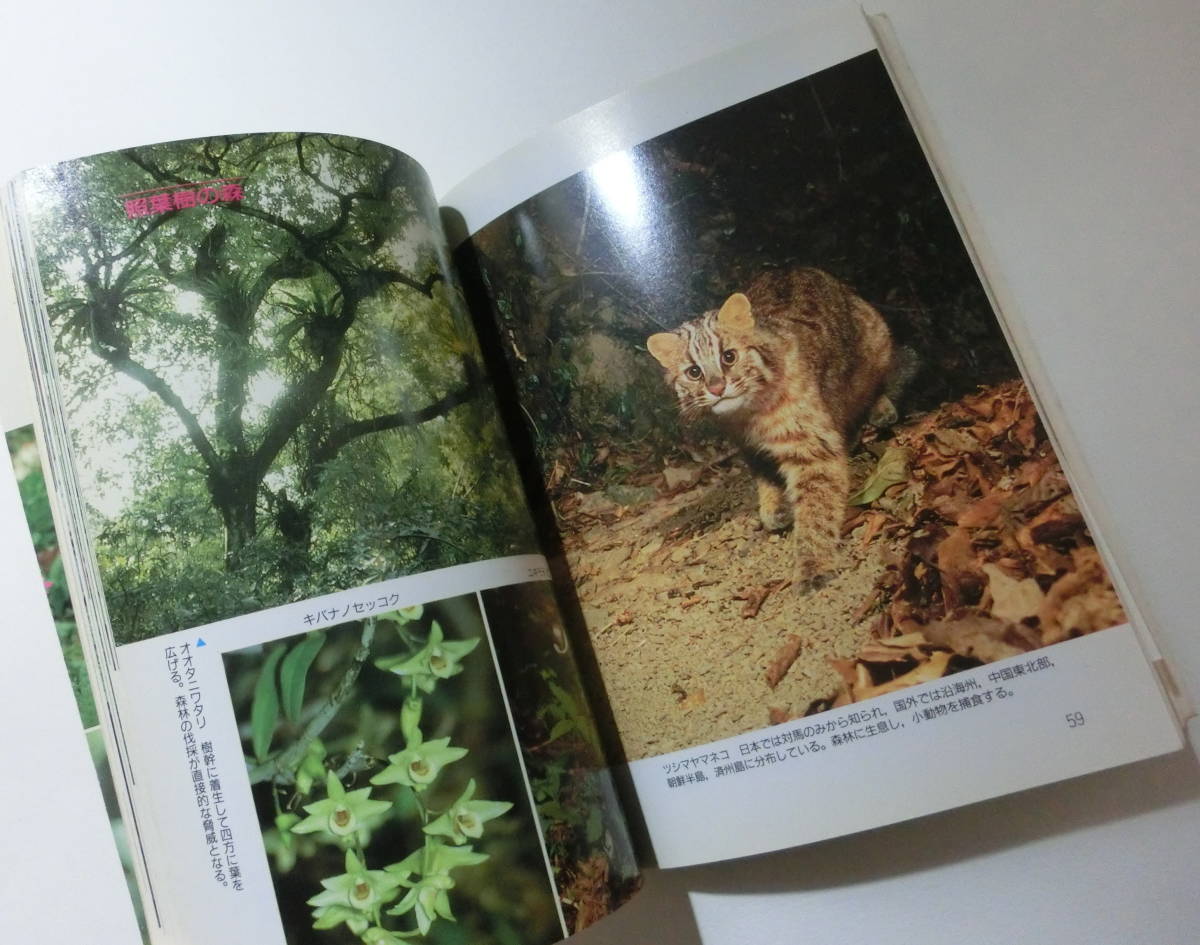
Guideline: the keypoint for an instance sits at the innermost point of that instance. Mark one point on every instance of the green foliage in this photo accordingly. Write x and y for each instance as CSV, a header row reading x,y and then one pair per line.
x,y
294,671
381,809
562,795
72,649
270,398
583,827
31,482
264,712
36,504
565,715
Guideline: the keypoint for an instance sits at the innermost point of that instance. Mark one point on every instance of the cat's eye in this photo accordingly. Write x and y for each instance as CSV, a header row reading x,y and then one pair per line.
x,y
728,356
694,372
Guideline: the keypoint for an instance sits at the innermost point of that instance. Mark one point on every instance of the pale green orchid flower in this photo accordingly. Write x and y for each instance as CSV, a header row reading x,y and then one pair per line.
x,y
438,659
420,763
428,897
353,897
345,816
381,936
404,615
465,819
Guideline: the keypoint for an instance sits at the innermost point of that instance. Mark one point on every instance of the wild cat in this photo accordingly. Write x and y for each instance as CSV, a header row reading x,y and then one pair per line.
x,y
788,368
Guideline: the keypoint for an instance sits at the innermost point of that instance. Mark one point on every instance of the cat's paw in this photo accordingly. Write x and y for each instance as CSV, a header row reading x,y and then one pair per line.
x,y
774,512
811,584
810,575
777,520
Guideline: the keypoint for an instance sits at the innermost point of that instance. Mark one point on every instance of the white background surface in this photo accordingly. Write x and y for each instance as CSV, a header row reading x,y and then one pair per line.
x,y
56,843
1075,130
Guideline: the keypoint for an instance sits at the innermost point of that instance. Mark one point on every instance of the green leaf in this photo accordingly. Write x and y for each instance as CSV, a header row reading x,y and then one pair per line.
x,y
565,698
56,589
891,469
264,710
561,729
293,673
553,810
595,826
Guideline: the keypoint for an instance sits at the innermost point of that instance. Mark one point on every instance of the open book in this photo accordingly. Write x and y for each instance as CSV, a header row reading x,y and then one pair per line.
x,y
697,503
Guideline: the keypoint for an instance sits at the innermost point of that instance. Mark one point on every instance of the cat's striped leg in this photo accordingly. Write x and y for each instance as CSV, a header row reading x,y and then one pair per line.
x,y
774,510
817,491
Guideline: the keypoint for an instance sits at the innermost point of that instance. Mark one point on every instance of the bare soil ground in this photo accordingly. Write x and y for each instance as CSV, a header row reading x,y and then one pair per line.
x,y
965,546
669,592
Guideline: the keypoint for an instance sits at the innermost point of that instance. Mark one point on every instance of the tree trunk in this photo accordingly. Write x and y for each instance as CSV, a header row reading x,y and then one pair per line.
x,y
294,524
239,515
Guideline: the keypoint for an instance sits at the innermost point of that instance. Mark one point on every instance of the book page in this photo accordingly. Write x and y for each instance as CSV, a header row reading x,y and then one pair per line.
x,y
340,703
831,565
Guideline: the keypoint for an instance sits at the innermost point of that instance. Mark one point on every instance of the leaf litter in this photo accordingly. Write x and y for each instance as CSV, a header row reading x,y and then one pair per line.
x,y
965,547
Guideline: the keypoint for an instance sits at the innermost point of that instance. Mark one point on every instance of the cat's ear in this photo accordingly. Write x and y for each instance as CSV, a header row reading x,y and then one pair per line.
x,y
735,314
667,347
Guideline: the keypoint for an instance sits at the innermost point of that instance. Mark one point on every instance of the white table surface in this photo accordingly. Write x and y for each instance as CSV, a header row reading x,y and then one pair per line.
x,y
1075,129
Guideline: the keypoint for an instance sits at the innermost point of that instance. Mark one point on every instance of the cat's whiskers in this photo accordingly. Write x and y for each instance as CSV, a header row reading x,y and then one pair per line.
x,y
789,367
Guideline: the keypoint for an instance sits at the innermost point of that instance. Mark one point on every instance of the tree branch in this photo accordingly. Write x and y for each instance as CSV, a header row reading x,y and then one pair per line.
x,y
139,239
401,418
286,266
377,276
131,154
160,388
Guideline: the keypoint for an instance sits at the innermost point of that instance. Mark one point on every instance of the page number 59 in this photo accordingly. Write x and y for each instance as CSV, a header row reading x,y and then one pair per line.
x,y
1075,719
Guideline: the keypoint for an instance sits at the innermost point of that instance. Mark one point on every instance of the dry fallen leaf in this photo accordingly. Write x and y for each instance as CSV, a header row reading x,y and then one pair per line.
x,y
785,656
957,562
649,548
915,638
958,440
875,521
1059,521
891,469
899,649
983,512
984,524
681,478
1012,599
847,669
933,668
1080,602
589,891
974,635
756,596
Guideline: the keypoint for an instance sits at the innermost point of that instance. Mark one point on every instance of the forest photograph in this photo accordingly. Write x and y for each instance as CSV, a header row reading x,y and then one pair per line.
x,y
587,838
35,502
788,451
389,791
270,383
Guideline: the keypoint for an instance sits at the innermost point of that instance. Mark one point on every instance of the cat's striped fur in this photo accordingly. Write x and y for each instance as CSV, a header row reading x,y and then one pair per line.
x,y
788,367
